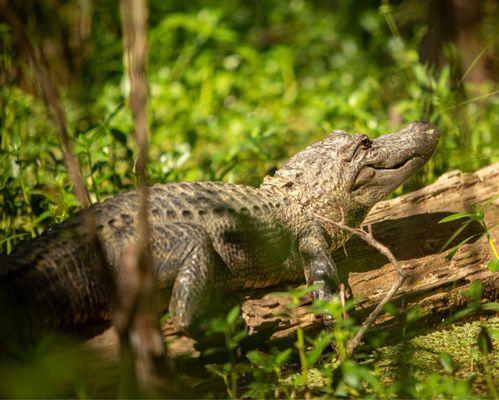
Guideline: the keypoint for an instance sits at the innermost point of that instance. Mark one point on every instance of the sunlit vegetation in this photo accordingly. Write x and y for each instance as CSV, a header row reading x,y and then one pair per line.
x,y
235,88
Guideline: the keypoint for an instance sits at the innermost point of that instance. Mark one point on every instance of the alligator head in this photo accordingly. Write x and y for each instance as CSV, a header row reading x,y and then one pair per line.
x,y
351,173
388,161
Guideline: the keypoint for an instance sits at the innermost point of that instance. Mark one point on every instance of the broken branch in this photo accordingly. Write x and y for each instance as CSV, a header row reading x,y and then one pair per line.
x,y
369,238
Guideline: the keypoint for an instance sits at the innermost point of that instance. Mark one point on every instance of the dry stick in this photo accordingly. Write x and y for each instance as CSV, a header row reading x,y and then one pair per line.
x,y
343,299
135,317
369,238
52,100
356,340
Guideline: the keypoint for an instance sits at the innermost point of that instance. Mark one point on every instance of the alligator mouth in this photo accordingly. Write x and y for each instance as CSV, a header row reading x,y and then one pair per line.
x,y
397,166
378,173
403,168
417,159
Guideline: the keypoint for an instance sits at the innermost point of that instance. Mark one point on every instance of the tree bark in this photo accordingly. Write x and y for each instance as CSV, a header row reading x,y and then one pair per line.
x,y
408,225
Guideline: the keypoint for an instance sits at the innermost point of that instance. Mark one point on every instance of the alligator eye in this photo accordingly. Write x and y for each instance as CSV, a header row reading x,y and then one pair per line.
x,y
366,143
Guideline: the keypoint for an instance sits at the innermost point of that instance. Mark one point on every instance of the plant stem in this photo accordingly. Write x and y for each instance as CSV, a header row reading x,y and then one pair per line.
x,y
300,345
488,377
233,372
94,185
493,246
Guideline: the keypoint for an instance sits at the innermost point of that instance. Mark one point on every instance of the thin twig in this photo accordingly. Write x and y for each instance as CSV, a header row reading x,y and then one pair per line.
x,y
357,339
369,238
136,316
343,299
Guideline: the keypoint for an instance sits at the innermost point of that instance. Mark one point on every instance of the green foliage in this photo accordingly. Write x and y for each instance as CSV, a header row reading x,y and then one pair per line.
x,y
456,363
235,89
493,265
477,215
436,364
267,373
343,328
474,306
233,330
447,362
58,367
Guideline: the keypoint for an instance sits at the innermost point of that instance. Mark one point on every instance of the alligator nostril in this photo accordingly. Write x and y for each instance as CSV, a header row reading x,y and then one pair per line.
x,y
426,127
433,132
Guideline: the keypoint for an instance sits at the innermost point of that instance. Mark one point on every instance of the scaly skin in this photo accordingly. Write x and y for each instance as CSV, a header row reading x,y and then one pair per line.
x,y
209,238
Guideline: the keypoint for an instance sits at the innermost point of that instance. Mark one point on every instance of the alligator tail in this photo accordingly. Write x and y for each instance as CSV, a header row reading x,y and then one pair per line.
x,y
50,284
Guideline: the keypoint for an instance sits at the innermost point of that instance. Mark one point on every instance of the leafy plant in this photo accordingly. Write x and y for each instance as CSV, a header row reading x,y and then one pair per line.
x,y
229,326
267,373
236,88
296,298
476,215
232,96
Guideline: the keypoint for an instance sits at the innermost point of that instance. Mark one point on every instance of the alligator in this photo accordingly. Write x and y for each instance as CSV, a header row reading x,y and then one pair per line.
x,y
210,238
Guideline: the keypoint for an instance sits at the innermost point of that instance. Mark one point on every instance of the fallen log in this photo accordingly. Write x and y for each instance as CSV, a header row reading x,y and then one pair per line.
x,y
409,226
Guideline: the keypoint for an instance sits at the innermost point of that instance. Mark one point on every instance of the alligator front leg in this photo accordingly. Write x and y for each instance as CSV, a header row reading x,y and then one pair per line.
x,y
319,266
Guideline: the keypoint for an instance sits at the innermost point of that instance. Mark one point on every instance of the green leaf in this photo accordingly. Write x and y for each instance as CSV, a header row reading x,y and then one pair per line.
x,y
460,314
390,308
478,214
494,332
99,165
119,136
351,373
484,341
41,217
233,314
454,217
313,355
447,362
298,381
213,350
239,336
283,356
216,325
454,250
492,306
164,318
474,292
257,357
493,265
490,201
454,235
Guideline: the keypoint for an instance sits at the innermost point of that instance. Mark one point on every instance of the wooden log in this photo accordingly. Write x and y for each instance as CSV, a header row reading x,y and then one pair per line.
x,y
408,225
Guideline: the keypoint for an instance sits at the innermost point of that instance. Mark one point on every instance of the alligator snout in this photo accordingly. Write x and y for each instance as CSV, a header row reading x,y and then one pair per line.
x,y
425,136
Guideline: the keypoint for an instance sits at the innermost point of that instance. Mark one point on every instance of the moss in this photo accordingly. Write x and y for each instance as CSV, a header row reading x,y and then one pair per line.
x,y
451,351
447,358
